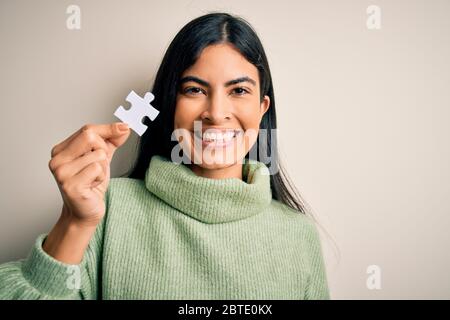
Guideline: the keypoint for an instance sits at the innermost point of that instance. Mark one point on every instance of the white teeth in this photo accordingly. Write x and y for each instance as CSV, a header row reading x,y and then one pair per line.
x,y
218,136
228,135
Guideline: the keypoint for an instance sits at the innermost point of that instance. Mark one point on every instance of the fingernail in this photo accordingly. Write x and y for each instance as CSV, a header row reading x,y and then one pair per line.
x,y
123,126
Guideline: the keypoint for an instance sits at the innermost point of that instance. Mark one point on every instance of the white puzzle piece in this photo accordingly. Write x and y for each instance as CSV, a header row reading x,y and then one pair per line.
x,y
140,107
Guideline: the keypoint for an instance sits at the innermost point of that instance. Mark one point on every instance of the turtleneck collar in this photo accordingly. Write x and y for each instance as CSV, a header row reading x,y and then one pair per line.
x,y
210,200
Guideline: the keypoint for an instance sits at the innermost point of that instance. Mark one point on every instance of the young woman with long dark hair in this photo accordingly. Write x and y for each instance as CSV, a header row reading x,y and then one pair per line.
x,y
223,223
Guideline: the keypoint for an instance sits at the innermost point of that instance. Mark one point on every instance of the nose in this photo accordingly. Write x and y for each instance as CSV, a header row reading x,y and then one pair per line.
x,y
218,109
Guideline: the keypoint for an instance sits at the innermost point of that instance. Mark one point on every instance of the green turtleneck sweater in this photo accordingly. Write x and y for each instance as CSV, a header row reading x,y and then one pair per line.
x,y
176,235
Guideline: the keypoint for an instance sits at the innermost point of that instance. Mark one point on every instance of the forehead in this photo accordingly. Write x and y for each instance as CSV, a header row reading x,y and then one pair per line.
x,y
220,63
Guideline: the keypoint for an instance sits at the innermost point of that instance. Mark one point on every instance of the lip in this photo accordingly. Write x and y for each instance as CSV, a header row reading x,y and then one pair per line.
x,y
218,144
217,130
220,130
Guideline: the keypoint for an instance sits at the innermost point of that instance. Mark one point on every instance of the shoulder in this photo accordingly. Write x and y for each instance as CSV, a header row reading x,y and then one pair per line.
x,y
287,213
303,225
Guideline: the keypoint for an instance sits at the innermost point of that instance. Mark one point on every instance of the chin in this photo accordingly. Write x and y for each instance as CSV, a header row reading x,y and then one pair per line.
x,y
215,166
216,158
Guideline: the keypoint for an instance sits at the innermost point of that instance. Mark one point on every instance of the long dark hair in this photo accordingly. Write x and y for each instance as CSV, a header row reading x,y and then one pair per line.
x,y
184,50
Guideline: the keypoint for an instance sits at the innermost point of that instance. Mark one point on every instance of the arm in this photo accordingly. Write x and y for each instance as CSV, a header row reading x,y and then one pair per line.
x,y
57,266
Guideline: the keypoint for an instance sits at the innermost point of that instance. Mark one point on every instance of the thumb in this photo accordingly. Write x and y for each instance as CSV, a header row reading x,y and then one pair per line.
x,y
120,136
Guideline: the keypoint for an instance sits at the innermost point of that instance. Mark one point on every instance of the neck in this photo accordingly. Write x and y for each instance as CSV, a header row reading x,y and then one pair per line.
x,y
210,200
233,171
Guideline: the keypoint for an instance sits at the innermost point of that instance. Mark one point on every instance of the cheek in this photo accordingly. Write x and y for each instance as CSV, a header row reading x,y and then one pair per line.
x,y
248,112
250,118
250,121
185,114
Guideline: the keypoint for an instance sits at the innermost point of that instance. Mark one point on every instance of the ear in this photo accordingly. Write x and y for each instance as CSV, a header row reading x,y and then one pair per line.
x,y
265,105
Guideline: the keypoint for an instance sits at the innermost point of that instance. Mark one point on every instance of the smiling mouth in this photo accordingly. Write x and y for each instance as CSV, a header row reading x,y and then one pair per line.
x,y
218,138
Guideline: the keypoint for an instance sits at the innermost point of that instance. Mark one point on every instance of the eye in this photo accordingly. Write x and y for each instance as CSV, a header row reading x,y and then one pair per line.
x,y
240,91
193,90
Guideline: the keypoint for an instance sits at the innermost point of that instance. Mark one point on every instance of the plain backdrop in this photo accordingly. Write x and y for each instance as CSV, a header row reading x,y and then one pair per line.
x,y
363,119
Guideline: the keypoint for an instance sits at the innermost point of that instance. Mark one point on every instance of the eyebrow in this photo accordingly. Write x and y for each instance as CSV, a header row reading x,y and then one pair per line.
x,y
227,84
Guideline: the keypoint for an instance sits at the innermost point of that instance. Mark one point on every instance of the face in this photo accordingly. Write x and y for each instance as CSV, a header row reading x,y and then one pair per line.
x,y
218,108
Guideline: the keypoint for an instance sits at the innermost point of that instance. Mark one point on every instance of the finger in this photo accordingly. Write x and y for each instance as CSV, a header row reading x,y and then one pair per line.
x,y
106,131
86,177
60,146
110,131
69,169
85,142
114,135
98,182
117,141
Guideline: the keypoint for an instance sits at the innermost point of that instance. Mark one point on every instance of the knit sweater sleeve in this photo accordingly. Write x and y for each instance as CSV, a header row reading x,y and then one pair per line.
x,y
41,277
317,286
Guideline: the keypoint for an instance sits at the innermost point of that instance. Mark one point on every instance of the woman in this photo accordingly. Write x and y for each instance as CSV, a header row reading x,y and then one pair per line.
x,y
218,225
